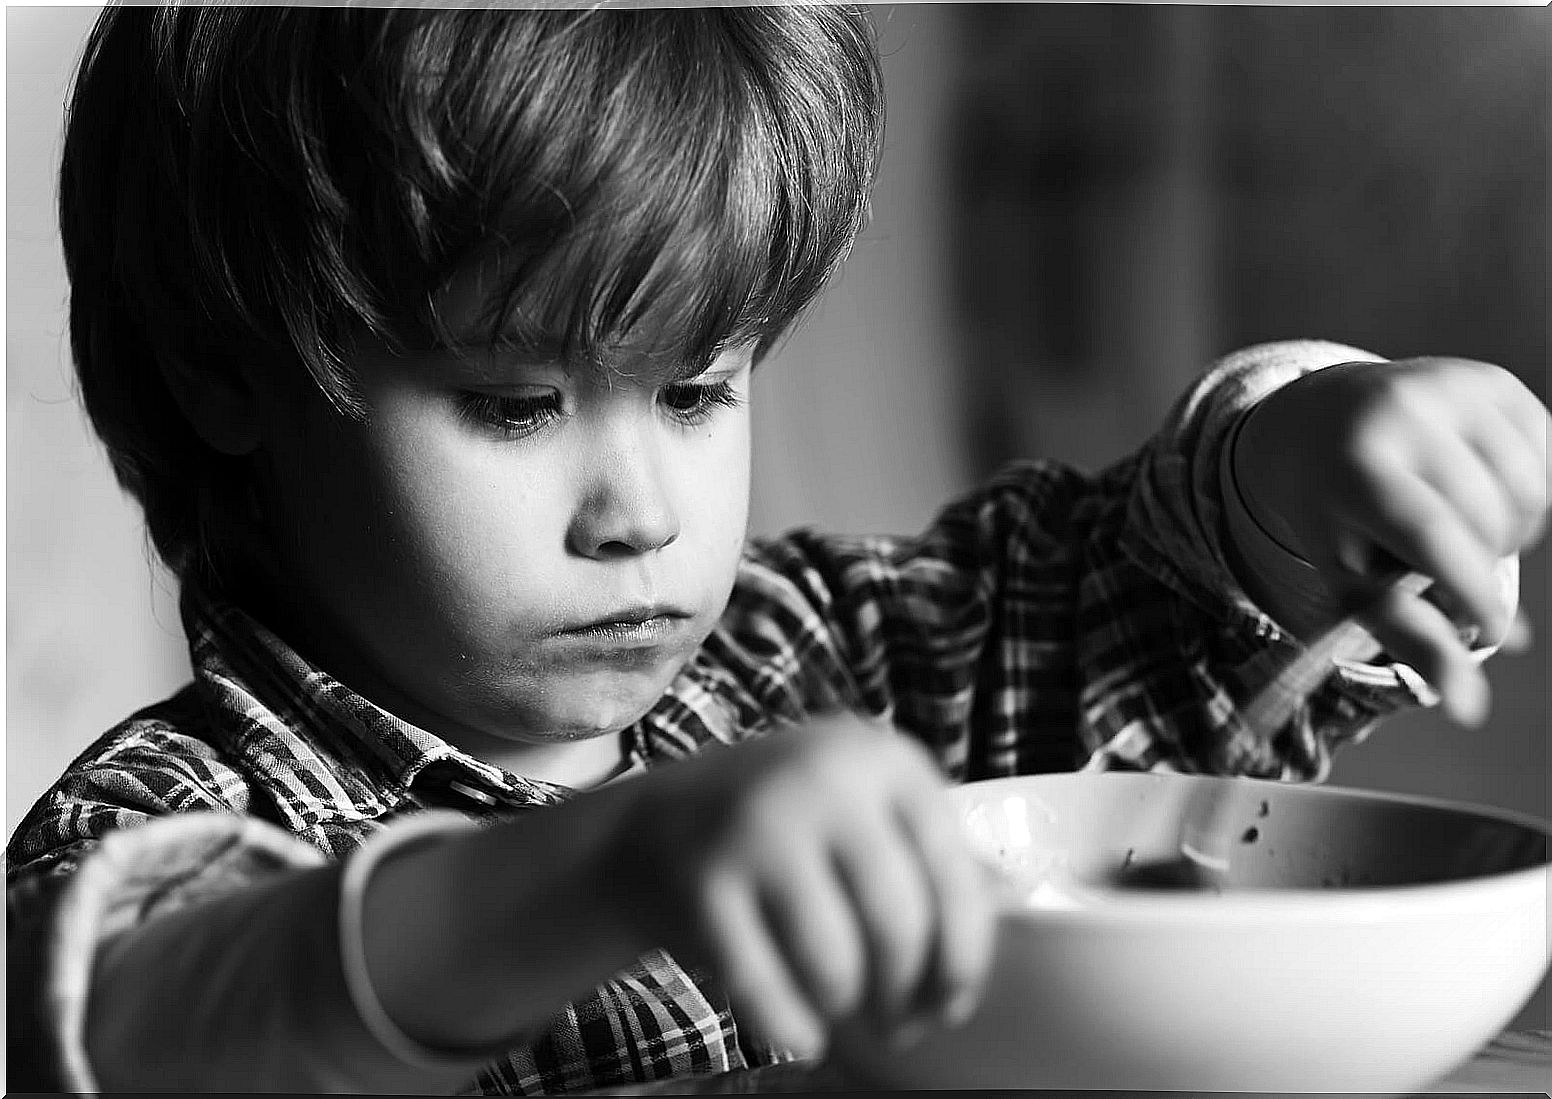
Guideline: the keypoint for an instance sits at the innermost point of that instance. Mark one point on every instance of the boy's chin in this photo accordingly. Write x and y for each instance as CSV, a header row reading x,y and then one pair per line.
x,y
581,711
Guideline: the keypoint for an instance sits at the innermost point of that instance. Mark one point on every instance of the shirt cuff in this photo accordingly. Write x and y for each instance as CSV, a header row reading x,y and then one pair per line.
x,y
1306,605
1176,522
411,832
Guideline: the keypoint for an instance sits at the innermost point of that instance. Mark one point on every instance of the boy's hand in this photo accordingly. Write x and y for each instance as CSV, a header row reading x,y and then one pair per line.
x,y
820,873
1437,466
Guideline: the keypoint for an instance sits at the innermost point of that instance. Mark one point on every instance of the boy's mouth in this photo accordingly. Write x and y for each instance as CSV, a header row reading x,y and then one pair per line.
x,y
640,625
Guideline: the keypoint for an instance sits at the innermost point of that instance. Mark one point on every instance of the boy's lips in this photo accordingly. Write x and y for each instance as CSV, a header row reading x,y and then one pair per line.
x,y
643,625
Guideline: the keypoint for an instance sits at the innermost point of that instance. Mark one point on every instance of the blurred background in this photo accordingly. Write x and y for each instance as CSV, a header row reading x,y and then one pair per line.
x,y
1080,207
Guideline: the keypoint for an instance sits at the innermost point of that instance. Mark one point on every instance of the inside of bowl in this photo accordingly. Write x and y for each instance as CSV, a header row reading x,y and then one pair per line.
x,y
1122,831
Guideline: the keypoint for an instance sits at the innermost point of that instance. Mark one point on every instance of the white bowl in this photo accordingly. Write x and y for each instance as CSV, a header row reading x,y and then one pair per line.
x,y
1362,942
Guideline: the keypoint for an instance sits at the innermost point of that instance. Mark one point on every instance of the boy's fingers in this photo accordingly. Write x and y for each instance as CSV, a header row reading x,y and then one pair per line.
x,y
1532,418
1522,471
1417,633
1422,532
754,973
818,932
1475,490
883,872
966,912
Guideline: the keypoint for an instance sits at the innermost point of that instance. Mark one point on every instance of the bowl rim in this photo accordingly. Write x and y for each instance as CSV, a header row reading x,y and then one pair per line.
x,y
1345,904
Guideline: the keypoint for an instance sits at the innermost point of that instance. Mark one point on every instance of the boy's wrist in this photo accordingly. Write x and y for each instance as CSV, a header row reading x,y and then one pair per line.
x,y
472,944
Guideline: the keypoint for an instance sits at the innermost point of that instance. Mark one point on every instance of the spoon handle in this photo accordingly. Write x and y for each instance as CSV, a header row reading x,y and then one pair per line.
x,y
1271,707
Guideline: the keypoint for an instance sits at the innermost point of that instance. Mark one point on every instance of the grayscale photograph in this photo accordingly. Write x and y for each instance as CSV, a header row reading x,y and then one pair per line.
x,y
619,548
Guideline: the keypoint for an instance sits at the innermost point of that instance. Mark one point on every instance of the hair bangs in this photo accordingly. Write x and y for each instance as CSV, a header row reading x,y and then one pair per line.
x,y
695,207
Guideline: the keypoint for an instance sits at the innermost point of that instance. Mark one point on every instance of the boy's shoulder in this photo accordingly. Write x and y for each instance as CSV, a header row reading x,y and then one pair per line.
x,y
162,759
173,734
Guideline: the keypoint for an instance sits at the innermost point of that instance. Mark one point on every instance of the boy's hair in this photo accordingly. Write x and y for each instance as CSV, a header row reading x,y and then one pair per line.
x,y
260,185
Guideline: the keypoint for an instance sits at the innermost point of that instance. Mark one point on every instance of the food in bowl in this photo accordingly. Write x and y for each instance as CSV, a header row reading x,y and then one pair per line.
x,y
1355,941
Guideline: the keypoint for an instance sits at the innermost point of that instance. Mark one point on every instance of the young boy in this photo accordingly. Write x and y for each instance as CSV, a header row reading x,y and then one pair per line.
x,y
424,339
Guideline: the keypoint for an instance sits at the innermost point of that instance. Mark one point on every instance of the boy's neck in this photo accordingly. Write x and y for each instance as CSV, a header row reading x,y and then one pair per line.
x,y
579,764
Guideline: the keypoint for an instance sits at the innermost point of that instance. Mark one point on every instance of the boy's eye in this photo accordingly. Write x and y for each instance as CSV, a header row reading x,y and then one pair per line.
x,y
695,403
512,416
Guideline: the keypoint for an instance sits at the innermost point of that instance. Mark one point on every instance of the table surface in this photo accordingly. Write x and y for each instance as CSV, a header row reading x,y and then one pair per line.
x,y
1515,1063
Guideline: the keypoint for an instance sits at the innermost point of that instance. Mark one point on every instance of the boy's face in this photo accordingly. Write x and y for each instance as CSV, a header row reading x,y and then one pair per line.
x,y
506,552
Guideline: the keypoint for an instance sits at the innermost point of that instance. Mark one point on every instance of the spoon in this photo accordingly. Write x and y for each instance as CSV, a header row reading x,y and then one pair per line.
x,y
1208,832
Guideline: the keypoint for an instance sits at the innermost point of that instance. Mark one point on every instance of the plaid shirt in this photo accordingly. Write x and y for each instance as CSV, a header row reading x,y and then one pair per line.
x,y
1049,621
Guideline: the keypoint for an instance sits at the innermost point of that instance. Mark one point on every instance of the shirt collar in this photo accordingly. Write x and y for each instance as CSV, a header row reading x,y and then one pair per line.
x,y
280,705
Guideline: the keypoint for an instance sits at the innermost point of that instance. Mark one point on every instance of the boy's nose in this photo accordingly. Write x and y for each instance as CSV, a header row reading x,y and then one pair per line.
x,y
627,511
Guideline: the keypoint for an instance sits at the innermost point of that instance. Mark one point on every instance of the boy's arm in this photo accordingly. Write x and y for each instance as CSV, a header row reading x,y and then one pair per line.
x,y
83,929
1054,620
1179,530
407,978
160,935
148,825
1189,527
436,947
212,952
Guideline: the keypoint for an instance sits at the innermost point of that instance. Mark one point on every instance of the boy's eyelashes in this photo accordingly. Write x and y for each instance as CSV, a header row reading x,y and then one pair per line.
x,y
694,403
511,416
518,415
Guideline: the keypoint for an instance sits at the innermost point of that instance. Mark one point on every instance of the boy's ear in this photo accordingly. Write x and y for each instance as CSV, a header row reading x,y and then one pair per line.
x,y
221,402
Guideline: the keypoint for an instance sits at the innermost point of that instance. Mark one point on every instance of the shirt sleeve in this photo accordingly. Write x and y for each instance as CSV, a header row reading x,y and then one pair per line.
x,y
1056,619
68,887
138,883
123,883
